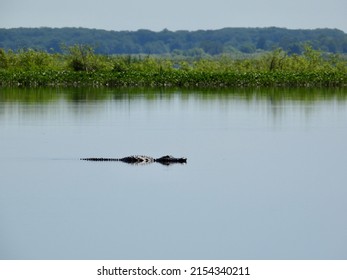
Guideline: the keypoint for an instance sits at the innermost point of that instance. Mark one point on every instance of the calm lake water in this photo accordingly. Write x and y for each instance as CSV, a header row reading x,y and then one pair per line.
x,y
266,176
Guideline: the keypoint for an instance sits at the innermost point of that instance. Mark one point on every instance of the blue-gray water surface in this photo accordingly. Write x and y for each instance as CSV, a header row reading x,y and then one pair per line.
x,y
265,179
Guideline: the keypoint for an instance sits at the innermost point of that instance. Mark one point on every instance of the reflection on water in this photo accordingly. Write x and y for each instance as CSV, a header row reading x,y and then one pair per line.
x,y
273,95
277,101
265,179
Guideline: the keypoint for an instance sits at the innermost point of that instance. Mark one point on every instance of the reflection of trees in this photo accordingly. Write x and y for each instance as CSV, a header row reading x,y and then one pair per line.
x,y
277,99
273,95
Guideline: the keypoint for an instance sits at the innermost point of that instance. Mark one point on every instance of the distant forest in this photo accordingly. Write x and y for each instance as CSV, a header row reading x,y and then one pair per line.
x,y
188,43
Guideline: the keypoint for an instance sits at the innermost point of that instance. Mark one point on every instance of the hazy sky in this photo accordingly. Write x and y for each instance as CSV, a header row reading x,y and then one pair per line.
x,y
174,15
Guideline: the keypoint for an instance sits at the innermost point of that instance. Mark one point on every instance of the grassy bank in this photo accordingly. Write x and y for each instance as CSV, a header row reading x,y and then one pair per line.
x,y
186,79
79,66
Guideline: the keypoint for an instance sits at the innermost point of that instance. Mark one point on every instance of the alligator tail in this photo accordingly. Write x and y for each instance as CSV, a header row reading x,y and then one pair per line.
x,y
100,159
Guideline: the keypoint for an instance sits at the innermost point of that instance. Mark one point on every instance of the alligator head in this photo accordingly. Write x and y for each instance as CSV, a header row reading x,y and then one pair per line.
x,y
167,160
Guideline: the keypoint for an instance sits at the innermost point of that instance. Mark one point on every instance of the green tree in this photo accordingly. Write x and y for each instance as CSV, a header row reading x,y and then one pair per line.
x,y
275,60
313,58
83,58
3,59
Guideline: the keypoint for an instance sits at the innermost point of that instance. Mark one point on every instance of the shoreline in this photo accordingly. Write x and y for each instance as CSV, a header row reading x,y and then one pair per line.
x,y
172,79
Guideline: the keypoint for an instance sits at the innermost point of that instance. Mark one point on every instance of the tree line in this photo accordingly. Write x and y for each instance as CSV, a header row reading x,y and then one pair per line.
x,y
187,43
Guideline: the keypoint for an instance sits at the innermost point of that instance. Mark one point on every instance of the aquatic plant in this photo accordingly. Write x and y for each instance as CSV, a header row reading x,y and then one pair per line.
x,y
79,66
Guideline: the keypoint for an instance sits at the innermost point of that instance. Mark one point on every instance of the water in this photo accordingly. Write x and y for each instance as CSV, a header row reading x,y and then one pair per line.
x,y
265,179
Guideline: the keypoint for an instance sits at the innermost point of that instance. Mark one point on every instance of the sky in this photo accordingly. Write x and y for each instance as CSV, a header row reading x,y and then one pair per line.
x,y
157,15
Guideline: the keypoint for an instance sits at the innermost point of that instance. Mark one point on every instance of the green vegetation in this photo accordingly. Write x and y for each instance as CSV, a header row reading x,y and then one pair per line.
x,y
187,43
80,66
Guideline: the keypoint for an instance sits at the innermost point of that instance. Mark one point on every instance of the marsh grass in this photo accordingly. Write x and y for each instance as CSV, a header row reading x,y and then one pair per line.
x,y
79,66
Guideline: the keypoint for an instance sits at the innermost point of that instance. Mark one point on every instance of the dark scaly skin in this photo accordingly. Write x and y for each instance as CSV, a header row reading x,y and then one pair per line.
x,y
166,160
170,159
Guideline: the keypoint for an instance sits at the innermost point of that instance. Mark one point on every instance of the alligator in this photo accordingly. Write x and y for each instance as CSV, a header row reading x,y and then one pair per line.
x,y
165,160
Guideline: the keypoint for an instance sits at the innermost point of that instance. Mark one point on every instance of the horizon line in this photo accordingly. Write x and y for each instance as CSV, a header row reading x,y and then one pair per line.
x,y
177,30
